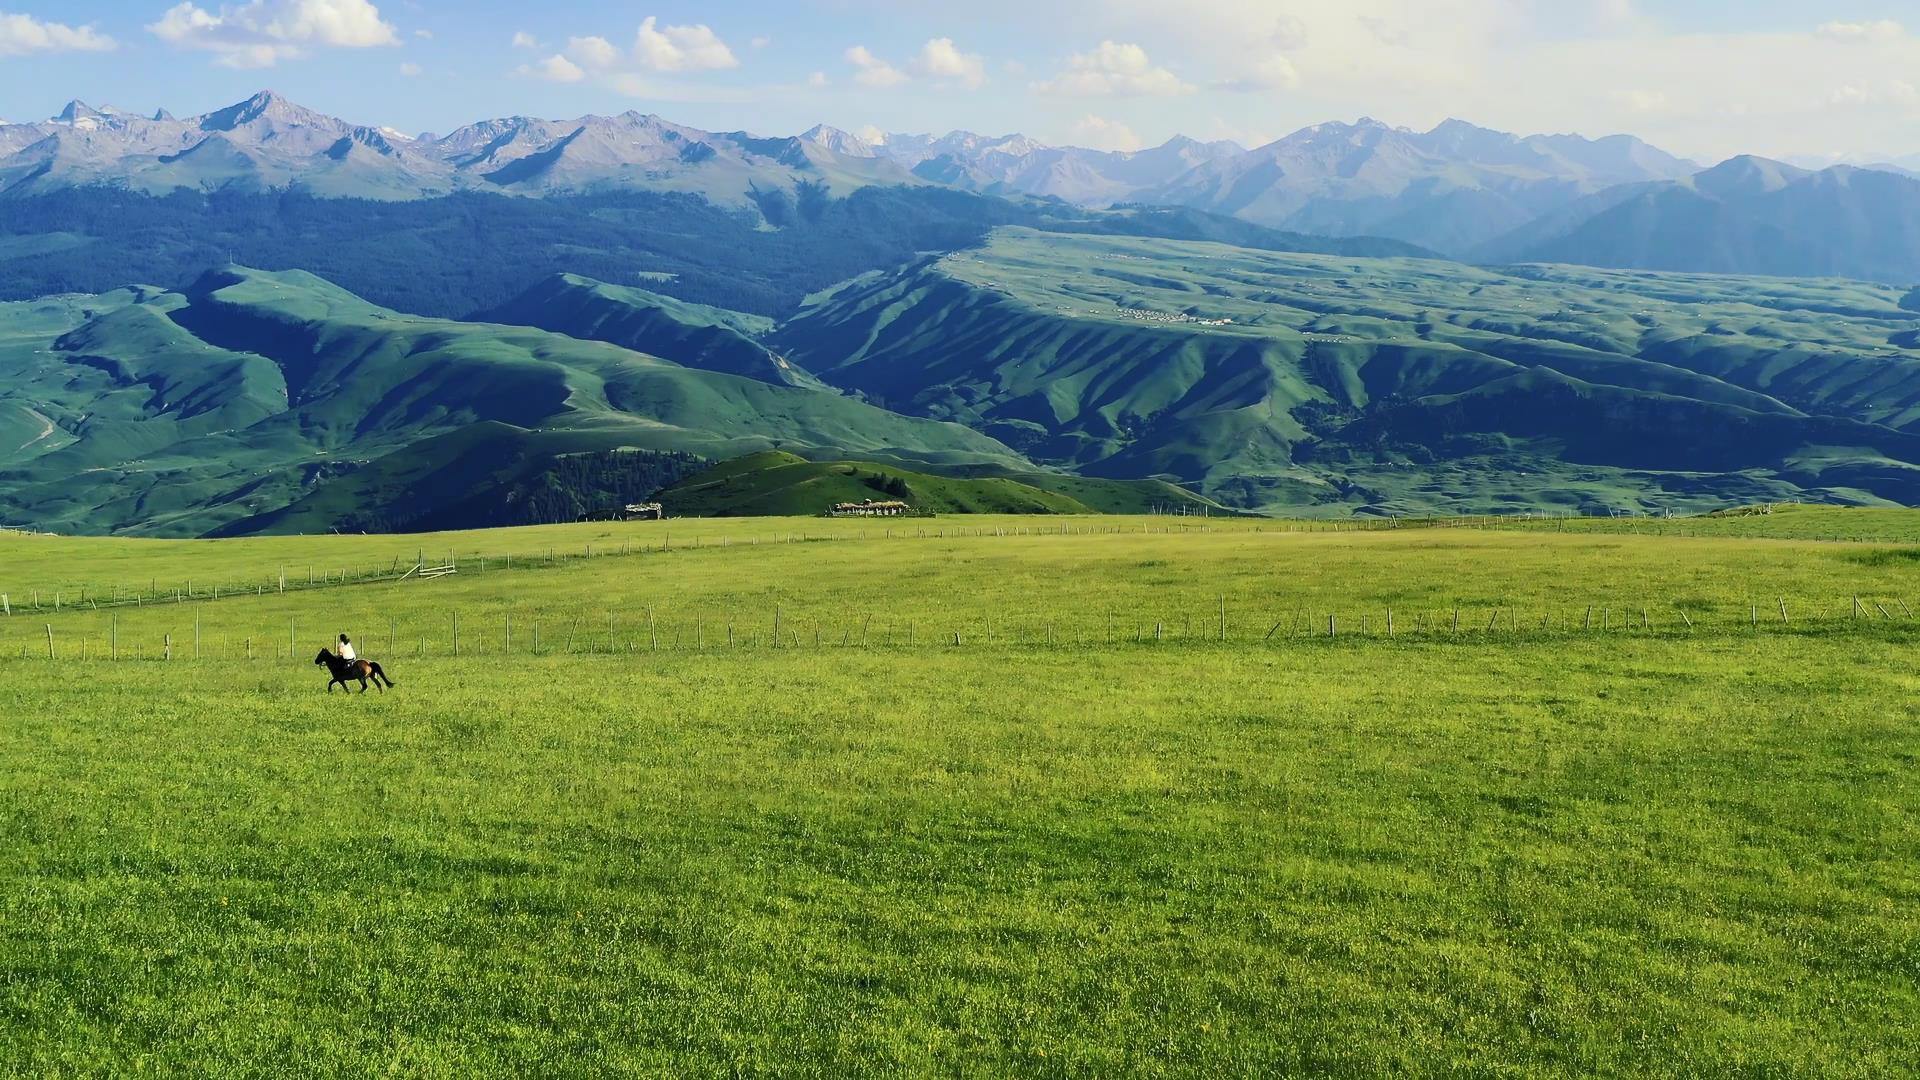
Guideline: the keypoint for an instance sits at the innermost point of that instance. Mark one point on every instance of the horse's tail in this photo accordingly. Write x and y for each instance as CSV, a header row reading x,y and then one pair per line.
x,y
381,675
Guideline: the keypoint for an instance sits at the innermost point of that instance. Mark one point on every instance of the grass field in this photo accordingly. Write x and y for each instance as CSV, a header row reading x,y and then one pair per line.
x,y
1090,839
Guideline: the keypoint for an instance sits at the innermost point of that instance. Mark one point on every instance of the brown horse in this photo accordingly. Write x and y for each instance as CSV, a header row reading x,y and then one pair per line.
x,y
347,670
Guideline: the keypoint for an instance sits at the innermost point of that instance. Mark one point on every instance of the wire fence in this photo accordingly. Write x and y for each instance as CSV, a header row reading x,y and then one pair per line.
x,y
500,634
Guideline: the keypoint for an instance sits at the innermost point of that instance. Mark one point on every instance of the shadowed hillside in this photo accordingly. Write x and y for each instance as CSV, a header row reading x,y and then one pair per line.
x,y
1389,386
184,412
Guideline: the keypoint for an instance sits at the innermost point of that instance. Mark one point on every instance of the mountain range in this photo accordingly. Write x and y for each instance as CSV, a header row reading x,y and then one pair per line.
x,y
1459,190
269,143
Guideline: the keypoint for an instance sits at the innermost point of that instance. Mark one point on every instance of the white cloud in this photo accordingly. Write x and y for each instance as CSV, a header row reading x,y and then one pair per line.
x,y
1115,70
23,34
524,40
942,59
1273,72
1100,133
760,42
423,35
555,68
410,70
1645,101
1596,67
1880,30
872,135
1890,92
681,48
818,80
870,70
264,32
592,53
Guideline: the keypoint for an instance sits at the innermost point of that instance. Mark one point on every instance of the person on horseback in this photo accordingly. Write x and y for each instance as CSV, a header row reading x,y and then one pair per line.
x,y
346,665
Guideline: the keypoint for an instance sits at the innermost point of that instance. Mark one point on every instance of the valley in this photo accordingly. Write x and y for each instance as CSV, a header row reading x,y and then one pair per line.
x,y
1312,383
1258,380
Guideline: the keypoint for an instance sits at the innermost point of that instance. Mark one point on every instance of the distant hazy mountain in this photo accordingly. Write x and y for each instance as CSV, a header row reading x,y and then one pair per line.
x,y
1448,189
1747,215
1457,190
1015,164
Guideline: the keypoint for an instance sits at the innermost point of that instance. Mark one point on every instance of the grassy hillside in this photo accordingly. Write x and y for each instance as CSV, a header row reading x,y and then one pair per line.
x,y
1302,382
701,337
776,484
1000,801
224,404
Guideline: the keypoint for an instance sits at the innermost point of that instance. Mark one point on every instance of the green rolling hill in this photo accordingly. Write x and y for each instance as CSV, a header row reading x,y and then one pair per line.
x,y
1039,372
780,484
694,335
1335,385
221,405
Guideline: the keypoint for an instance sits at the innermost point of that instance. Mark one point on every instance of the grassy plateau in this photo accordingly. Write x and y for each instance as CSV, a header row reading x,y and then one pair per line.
x,y
1087,796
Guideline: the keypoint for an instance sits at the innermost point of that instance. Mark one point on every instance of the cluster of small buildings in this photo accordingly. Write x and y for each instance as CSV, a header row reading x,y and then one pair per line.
x,y
870,508
1141,315
629,512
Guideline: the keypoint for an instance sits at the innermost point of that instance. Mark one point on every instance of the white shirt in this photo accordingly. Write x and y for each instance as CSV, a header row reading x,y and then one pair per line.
x,y
346,652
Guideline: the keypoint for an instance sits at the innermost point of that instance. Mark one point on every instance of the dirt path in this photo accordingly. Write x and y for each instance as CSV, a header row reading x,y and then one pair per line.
x,y
45,432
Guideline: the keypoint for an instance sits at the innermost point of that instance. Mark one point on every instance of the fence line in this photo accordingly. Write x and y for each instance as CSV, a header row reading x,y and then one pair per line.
x,y
1224,623
91,597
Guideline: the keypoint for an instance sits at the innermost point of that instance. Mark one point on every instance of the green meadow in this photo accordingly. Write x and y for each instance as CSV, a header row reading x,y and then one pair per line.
x,y
1076,797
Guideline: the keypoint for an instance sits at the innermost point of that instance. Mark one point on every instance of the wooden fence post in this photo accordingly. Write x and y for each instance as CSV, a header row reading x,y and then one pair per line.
x,y
6,605
113,637
49,641
1223,617
456,633
167,647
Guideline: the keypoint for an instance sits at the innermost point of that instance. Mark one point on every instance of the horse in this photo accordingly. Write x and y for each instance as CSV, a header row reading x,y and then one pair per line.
x,y
345,670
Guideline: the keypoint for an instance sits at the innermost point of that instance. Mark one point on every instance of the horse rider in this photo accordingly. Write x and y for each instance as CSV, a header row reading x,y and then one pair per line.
x,y
346,649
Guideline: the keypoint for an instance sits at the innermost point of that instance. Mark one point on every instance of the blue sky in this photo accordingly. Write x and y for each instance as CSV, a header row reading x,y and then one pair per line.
x,y
1707,78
